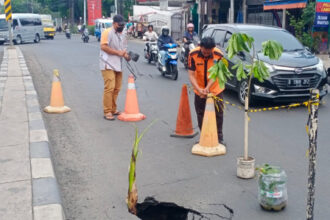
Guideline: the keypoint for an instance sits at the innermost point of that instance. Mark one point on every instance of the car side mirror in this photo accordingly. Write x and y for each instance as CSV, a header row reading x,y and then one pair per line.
x,y
308,49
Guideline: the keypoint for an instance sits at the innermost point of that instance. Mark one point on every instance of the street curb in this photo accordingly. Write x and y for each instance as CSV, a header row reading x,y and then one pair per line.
x,y
46,200
3,75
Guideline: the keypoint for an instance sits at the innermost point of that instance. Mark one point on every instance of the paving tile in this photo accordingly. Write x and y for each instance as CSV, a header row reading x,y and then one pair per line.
x,y
15,200
14,163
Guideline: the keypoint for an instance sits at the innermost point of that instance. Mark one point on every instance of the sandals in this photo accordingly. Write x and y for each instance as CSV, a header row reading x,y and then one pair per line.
x,y
109,117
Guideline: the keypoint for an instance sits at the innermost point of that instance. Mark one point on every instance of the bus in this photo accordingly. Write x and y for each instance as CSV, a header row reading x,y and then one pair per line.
x,y
100,26
26,28
49,28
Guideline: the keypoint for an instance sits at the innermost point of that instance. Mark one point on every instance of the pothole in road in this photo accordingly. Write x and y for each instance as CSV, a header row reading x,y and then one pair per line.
x,y
151,209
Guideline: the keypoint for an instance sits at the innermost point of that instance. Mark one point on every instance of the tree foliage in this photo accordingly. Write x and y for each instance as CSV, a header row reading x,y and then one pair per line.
x,y
303,27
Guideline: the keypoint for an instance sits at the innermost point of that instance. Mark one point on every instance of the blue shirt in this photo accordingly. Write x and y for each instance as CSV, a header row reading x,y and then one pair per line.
x,y
189,36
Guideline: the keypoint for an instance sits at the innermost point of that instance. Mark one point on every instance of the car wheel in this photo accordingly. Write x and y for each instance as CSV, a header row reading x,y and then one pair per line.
x,y
37,38
18,40
242,93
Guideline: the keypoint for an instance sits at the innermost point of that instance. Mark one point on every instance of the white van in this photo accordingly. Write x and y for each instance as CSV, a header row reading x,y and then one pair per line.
x,y
26,28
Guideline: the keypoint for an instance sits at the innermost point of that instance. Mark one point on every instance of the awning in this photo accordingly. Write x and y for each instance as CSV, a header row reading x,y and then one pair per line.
x,y
284,4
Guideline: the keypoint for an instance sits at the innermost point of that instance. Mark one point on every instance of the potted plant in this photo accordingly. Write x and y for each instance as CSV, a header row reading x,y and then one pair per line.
x,y
241,43
272,187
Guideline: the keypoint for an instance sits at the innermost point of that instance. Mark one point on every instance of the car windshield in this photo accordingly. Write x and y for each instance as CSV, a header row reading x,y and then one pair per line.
x,y
288,41
107,25
47,23
3,25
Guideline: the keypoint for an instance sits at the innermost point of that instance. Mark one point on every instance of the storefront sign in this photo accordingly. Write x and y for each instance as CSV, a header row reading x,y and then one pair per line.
x,y
321,19
284,4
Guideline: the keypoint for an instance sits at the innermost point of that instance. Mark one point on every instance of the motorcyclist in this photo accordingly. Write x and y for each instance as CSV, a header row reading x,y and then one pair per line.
x,y
189,34
163,39
188,37
150,35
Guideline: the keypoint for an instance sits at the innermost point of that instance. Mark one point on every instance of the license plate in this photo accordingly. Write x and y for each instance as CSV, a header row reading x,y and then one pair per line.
x,y
298,82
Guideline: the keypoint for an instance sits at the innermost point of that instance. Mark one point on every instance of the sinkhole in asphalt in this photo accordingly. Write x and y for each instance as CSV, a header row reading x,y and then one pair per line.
x,y
151,209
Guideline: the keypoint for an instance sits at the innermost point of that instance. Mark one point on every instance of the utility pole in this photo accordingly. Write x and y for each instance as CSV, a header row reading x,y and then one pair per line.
x,y
85,12
116,6
244,11
284,19
232,6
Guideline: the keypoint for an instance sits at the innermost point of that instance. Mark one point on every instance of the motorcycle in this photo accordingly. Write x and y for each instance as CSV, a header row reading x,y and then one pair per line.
x,y
186,48
85,36
151,51
68,33
171,64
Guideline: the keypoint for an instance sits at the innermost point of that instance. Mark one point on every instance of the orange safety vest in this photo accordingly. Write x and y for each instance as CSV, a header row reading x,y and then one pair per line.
x,y
200,65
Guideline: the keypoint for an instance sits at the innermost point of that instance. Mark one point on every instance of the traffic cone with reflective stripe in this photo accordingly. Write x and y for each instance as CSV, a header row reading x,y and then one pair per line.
x,y
132,112
56,98
208,143
184,128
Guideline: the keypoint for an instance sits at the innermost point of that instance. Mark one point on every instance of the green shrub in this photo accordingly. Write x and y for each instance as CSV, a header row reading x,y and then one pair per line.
x,y
91,29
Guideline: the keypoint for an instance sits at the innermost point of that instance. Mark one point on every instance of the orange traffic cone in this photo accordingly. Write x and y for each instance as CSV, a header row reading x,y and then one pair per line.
x,y
209,144
56,98
184,126
132,112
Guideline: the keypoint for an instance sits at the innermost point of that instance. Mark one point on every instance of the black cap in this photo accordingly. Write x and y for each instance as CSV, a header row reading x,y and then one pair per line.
x,y
119,19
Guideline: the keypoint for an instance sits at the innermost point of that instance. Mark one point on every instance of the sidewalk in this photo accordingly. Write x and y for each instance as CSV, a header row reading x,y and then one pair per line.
x,y
28,187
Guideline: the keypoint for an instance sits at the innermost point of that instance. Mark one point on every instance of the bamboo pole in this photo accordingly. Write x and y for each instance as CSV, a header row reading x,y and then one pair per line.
x,y
246,129
312,134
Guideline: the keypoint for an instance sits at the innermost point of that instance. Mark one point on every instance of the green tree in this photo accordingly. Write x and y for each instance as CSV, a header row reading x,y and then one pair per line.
x,y
303,27
106,7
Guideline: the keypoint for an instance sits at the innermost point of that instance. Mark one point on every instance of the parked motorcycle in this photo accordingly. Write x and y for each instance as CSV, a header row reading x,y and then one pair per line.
x,y
171,64
186,48
85,36
151,51
68,33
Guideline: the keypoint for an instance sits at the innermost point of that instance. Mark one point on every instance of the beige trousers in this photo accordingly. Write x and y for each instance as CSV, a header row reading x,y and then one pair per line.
x,y
112,86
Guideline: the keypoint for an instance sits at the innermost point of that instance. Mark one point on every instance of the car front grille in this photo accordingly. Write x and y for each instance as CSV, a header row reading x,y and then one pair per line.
x,y
307,79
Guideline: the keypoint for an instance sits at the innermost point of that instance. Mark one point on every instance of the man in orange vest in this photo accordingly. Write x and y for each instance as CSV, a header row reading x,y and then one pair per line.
x,y
200,60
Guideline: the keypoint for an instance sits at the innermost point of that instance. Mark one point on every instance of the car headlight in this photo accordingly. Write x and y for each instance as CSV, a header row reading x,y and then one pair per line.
x,y
270,67
320,68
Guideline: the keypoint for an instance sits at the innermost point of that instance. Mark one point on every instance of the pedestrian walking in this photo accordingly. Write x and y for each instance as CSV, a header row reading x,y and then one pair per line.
x,y
113,50
200,60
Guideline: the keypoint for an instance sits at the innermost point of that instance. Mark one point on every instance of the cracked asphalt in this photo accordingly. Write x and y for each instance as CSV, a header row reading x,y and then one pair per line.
x,y
91,154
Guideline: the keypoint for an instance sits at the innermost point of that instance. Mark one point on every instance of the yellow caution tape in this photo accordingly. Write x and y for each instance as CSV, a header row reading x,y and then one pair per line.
x,y
290,106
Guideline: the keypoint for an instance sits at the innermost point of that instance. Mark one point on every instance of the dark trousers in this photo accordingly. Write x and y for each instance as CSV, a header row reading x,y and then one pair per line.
x,y
200,108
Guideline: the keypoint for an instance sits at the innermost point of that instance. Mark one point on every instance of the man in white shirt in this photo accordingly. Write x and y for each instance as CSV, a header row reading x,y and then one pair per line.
x,y
113,50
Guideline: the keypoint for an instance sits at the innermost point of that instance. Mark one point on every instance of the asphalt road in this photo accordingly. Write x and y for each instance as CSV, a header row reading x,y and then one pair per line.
x,y
92,155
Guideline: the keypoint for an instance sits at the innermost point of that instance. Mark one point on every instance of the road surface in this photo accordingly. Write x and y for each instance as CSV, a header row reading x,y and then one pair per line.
x,y
92,155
